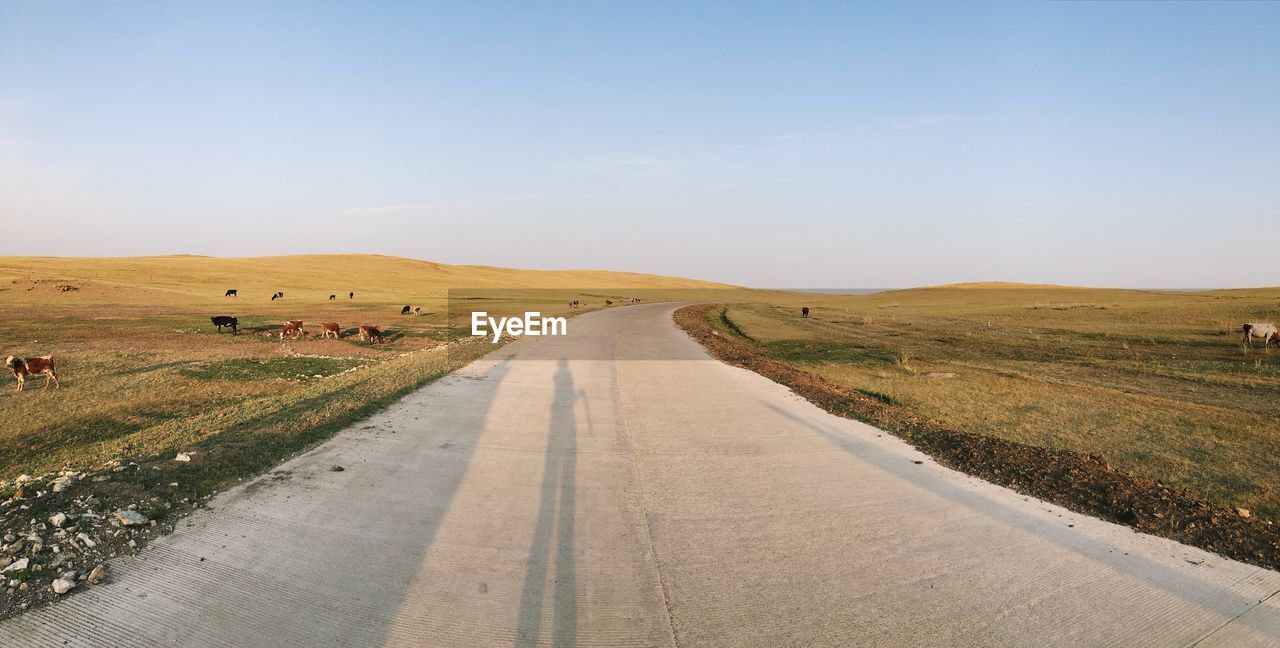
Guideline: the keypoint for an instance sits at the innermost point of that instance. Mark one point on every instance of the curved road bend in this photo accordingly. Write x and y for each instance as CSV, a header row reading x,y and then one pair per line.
x,y
619,487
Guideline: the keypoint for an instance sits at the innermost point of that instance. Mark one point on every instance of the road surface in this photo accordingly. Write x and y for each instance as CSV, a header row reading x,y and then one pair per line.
x,y
619,487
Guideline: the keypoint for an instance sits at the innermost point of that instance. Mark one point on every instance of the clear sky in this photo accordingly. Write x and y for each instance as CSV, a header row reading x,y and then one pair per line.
x,y
789,144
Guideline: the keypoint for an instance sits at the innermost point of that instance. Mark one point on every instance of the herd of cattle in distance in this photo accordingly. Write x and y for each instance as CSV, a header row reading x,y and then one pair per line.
x,y
577,303
294,328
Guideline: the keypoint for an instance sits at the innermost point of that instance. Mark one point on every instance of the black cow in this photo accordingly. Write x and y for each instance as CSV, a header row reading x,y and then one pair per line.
x,y
225,320
332,297
276,296
804,311
231,293
351,295
405,310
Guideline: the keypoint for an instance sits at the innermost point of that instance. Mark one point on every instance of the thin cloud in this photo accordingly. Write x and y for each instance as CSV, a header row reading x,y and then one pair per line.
x,y
441,207
630,166
883,124
921,122
383,210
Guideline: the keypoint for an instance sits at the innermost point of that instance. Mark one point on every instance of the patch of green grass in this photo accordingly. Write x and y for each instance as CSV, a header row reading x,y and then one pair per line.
x,y
880,396
729,324
812,352
158,512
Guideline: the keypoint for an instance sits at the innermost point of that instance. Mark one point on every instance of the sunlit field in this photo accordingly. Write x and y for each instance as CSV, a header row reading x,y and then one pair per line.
x,y
145,374
1161,383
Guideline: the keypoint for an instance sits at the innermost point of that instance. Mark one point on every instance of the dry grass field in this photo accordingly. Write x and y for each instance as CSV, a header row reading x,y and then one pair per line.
x,y
146,375
1159,382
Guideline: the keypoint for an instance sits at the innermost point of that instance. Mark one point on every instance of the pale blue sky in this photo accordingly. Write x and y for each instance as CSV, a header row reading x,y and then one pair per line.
x,y
773,144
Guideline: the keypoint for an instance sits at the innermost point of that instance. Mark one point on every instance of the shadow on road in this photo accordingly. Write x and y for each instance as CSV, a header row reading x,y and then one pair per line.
x,y
553,531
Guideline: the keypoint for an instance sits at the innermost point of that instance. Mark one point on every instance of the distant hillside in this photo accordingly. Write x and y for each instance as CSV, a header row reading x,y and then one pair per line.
x,y
1003,285
371,276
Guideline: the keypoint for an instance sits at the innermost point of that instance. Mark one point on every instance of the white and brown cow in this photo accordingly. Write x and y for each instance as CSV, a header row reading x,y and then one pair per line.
x,y
23,367
370,334
1263,330
291,328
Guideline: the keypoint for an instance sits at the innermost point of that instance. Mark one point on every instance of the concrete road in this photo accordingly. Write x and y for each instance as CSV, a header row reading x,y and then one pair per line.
x,y
618,487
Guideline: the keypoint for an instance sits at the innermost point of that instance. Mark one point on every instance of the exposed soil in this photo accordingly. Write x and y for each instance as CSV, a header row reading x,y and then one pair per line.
x,y
1083,483
68,524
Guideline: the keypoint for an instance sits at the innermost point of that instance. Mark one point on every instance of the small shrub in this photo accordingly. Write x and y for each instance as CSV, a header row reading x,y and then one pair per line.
x,y
903,360
159,512
880,396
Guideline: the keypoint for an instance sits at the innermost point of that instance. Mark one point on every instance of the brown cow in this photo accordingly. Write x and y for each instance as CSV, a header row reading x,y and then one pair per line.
x,y
370,334
330,327
33,367
291,328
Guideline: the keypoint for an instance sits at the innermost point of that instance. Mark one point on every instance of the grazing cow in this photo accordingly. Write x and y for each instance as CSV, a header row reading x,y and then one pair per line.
x,y
225,320
635,300
291,328
232,293
804,312
405,310
417,310
330,327
33,367
351,295
1260,330
608,302
370,334
276,296
332,297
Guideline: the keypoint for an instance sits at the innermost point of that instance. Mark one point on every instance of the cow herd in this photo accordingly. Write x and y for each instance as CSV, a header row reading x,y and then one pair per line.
x,y
295,328
280,294
577,303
